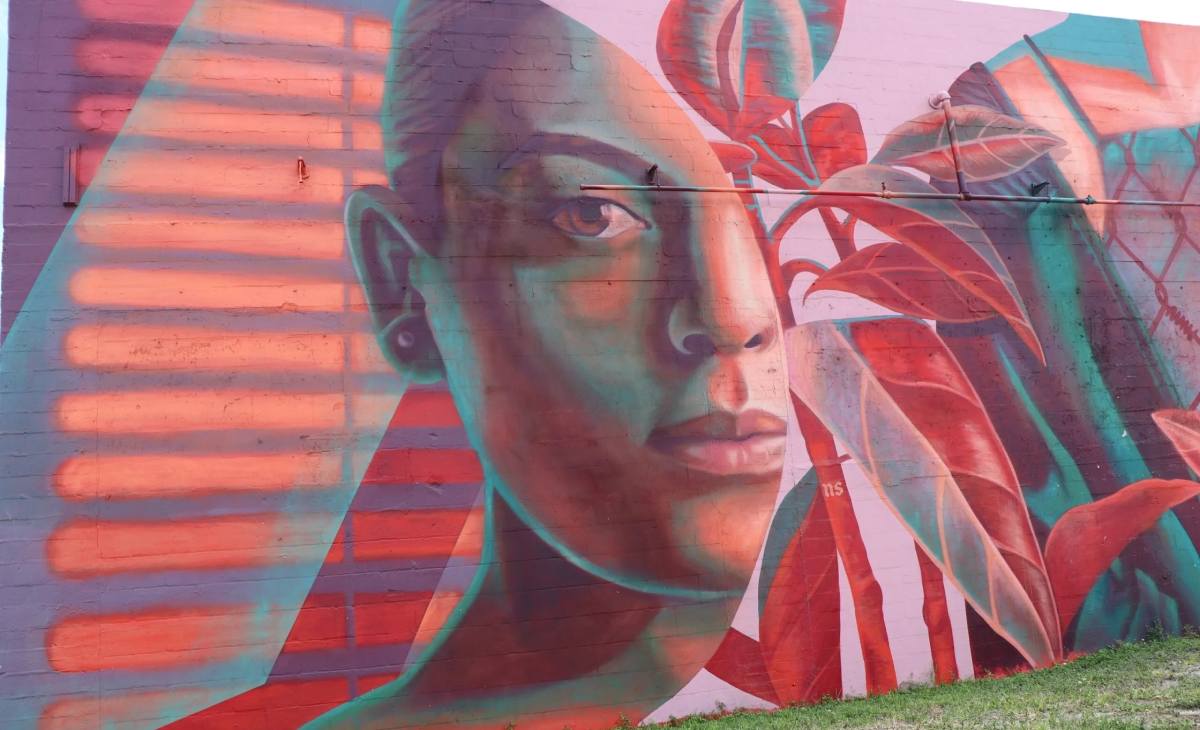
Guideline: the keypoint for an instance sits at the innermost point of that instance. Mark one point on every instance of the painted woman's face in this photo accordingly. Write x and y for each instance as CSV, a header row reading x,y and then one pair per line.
x,y
617,356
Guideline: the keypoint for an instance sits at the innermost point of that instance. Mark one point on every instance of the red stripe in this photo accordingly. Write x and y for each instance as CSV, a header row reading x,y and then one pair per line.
x,y
320,624
403,534
388,618
426,408
424,466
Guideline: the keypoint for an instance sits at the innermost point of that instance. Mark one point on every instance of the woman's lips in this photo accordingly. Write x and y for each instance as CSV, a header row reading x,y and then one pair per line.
x,y
726,444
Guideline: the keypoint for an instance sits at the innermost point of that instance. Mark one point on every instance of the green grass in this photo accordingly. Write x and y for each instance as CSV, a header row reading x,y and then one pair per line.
x,y
1153,684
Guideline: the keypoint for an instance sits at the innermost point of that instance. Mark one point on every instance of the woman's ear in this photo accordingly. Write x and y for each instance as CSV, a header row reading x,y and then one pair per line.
x,y
383,248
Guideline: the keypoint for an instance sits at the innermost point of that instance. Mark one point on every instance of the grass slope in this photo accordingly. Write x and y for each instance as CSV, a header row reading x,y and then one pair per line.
x,y
1153,684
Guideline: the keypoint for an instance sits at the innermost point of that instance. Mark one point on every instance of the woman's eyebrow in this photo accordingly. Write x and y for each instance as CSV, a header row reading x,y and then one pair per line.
x,y
574,145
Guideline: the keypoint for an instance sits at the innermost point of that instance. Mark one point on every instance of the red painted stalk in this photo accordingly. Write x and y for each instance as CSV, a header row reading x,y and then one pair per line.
x,y
868,597
937,620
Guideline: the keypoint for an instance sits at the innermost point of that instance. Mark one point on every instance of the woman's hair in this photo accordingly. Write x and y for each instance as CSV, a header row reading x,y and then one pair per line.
x,y
441,51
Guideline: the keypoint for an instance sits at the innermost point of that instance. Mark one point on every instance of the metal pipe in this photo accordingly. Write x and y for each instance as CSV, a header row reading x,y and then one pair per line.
x,y
937,101
888,194
942,101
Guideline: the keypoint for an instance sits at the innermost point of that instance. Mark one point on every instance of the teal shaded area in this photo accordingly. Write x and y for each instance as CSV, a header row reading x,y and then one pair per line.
x,y
1065,486
784,526
821,36
1055,240
1125,605
1108,42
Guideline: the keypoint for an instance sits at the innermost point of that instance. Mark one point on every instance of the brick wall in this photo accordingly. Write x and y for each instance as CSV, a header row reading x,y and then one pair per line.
x,y
234,498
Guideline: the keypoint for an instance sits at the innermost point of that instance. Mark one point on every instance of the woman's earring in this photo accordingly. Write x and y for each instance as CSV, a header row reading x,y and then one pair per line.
x,y
405,339
403,335
410,347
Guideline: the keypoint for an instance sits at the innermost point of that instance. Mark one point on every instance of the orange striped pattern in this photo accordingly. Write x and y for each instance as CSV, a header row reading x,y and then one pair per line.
x,y
104,113
270,21
184,348
365,90
211,175
222,125
133,709
155,639
372,34
151,476
159,12
213,171
117,58
218,125
177,411
202,69
85,548
175,231
184,290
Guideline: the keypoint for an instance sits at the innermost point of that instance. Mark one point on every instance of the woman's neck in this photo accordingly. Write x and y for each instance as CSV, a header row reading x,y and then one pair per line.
x,y
545,641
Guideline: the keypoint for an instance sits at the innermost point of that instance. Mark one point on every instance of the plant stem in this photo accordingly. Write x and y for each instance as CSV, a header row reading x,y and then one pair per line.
x,y
937,620
868,597
841,233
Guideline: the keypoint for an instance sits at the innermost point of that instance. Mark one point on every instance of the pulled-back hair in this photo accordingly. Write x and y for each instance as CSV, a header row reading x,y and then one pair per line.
x,y
441,51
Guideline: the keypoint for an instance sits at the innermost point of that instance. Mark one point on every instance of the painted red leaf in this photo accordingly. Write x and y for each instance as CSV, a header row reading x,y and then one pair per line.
x,y
897,277
739,662
1086,539
800,618
991,145
733,156
739,63
832,378
782,160
830,140
938,231
924,379
835,140
1183,429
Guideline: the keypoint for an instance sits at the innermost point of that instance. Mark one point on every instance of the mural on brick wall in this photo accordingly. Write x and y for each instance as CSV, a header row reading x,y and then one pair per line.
x,y
340,402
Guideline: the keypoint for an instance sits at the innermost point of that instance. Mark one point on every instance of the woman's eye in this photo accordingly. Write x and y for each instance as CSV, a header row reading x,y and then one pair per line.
x,y
595,218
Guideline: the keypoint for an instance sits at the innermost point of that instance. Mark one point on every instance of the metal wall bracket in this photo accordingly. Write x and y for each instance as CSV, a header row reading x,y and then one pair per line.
x,y
70,176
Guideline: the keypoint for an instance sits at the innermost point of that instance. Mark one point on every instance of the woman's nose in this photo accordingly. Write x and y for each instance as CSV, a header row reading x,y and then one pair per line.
x,y
692,335
728,307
